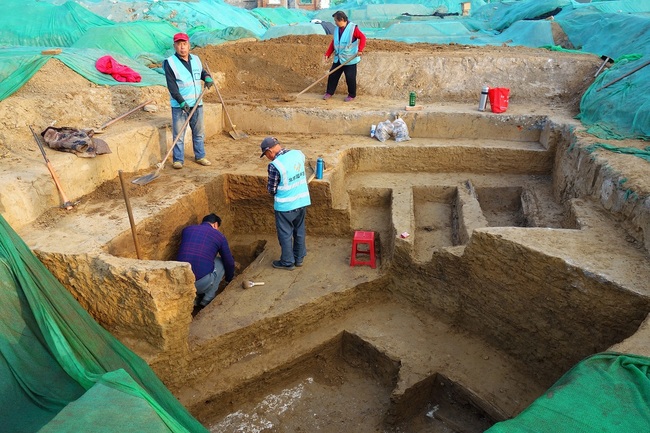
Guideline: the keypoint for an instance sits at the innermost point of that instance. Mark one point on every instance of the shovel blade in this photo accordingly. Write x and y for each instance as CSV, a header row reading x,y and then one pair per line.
x,y
143,180
238,135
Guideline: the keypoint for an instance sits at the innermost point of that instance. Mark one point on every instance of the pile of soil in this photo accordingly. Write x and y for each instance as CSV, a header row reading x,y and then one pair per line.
x,y
264,70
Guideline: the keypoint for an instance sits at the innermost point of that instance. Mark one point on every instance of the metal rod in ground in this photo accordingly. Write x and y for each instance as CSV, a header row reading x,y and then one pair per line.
x,y
128,211
601,66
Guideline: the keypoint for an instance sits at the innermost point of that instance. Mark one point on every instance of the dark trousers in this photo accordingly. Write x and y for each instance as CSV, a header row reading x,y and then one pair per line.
x,y
290,226
350,79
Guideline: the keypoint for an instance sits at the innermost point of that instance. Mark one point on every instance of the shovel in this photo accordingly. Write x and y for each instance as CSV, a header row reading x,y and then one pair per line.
x,y
100,130
143,180
327,75
67,204
237,135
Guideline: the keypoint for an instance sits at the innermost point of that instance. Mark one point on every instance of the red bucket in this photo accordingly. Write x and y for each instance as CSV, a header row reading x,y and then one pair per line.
x,y
499,99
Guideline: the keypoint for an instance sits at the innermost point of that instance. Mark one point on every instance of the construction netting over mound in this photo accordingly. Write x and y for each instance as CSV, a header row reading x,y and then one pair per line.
x,y
607,392
60,370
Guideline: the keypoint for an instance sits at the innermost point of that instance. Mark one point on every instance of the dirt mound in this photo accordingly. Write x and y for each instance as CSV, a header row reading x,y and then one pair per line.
x,y
250,70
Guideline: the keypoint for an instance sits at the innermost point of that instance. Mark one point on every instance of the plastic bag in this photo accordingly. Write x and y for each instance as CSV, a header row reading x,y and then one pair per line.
x,y
384,130
400,130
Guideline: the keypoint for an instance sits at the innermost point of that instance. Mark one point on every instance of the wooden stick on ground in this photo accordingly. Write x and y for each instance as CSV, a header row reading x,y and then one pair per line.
x,y
67,204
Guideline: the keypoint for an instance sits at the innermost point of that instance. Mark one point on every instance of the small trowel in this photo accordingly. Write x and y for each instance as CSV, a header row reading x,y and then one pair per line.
x,y
247,284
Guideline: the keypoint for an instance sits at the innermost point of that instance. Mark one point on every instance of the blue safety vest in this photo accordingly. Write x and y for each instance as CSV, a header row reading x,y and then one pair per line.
x,y
189,84
344,48
292,192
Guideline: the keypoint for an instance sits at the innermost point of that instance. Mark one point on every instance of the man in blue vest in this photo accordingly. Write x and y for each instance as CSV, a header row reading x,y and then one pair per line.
x,y
184,74
287,183
347,42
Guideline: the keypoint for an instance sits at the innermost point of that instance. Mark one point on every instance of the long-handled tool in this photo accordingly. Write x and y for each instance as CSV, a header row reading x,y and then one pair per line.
x,y
67,204
130,213
310,172
233,132
602,65
328,74
143,180
110,122
627,74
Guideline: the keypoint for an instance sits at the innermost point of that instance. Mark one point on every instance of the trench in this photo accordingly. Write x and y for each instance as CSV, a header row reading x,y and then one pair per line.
x,y
480,300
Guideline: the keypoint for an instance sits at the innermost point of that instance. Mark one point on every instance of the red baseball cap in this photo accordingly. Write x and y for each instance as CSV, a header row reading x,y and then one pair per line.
x,y
181,37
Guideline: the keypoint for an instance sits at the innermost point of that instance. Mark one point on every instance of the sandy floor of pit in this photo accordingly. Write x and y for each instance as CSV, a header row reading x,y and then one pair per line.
x,y
55,93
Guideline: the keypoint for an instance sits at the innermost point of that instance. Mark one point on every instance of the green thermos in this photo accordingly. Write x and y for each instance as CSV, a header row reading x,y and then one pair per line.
x,y
412,99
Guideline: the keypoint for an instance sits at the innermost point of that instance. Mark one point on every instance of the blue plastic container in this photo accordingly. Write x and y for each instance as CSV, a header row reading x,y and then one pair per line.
x,y
320,166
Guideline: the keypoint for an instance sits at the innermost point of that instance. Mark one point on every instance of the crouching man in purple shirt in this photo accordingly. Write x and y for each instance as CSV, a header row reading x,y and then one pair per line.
x,y
206,249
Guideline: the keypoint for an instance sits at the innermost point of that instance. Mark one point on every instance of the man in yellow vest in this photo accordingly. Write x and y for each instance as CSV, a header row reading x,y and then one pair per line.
x,y
184,74
287,183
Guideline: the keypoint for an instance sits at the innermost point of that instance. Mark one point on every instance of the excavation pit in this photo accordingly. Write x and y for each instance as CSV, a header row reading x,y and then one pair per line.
x,y
466,206
341,383
522,256
345,382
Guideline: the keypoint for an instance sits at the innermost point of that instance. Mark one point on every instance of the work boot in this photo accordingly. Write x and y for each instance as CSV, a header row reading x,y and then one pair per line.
x,y
196,310
279,265
203,161
177,165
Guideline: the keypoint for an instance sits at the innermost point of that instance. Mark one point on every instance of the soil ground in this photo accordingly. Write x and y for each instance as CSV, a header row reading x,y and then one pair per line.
x,y
57,94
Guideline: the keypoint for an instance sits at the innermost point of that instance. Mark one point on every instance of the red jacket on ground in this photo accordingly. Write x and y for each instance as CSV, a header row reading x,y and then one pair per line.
x,y
121,73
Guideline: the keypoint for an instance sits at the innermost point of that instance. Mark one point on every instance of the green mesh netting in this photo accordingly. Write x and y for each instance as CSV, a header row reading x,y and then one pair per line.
x,y
19,64
281,16
45,25
201,36
612,35
617,106
213,14
640,153
53,354
296,29
502,15
146,42
605,393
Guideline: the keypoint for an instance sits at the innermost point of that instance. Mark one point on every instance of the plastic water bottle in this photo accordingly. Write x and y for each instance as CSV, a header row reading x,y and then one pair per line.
x,y
373,128
412,96
483,101
320,166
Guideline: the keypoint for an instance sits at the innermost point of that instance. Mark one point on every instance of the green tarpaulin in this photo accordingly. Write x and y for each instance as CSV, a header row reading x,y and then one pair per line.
x,y
60,370
605,393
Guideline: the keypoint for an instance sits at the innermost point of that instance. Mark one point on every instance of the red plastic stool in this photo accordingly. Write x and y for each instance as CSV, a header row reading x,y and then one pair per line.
x,y
363,238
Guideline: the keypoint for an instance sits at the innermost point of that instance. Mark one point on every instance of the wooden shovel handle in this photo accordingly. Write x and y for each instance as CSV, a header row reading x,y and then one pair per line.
x,y
223,104
129,212
110,122
328,74
182,130
66,203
